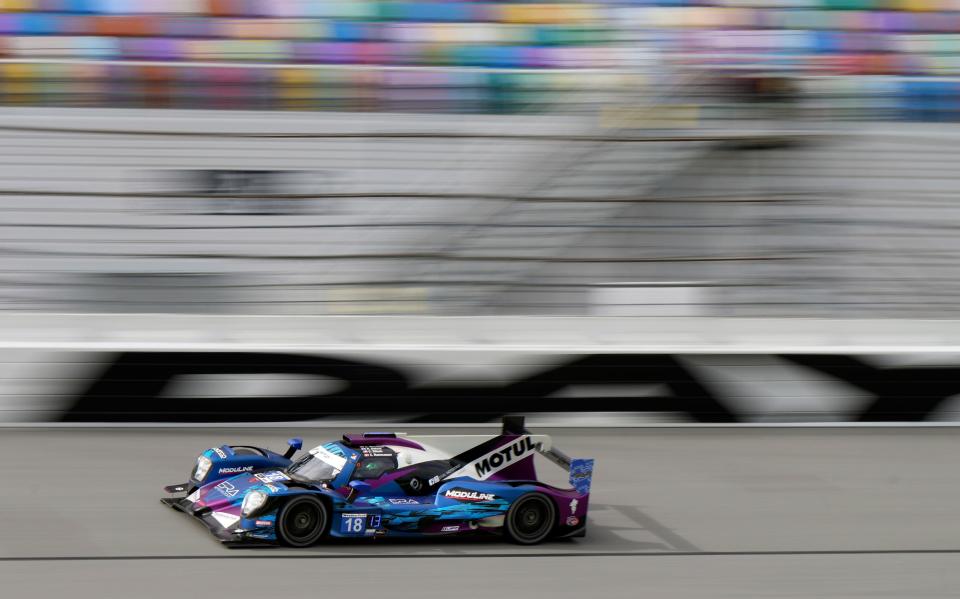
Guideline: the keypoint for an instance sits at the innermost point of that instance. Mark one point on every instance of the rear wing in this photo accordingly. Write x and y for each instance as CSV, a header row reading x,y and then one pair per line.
x,y
580,469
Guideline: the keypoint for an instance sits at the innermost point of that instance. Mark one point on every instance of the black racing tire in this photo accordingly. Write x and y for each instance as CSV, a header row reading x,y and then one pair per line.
x,y
530,519
302,521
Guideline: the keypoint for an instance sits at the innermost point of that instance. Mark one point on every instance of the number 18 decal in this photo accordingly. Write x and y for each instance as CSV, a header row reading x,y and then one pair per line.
x,y
356,524
352,524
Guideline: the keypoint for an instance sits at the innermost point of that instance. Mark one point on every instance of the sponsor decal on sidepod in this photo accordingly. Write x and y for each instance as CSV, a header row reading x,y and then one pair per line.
x,y
402,501
468,495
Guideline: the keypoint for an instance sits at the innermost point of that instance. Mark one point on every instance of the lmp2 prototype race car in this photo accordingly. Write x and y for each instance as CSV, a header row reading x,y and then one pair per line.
x,y
386,484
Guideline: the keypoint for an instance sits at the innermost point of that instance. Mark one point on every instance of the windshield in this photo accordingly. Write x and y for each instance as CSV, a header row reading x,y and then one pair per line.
x,y
319,465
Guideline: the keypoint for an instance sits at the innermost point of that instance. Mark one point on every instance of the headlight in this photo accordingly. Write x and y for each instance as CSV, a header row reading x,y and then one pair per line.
x,y
252,502
203,466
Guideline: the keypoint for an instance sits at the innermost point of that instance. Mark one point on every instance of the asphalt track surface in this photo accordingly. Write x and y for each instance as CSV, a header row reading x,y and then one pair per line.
x,y
834,512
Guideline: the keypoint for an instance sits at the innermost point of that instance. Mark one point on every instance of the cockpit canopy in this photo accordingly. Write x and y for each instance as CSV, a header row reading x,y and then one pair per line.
x,y
320,464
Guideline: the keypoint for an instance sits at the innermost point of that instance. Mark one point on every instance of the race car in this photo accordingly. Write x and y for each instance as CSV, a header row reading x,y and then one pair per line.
x,y
380,484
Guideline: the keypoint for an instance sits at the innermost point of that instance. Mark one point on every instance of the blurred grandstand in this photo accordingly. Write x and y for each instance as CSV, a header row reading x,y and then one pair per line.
x,y
735,159
851,58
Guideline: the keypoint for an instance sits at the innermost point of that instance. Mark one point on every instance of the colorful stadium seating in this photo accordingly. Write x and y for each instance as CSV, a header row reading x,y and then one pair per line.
x,y
318,54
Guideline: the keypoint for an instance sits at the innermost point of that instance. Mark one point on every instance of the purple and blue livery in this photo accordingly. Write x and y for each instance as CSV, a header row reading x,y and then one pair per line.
x,y
387,485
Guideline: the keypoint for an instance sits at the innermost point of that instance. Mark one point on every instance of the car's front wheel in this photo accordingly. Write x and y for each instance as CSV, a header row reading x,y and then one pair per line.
x,y
530,519
302,521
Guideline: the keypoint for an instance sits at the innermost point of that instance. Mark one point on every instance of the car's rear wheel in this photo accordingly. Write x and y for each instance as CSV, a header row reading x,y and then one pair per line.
x,y
302,521
530,519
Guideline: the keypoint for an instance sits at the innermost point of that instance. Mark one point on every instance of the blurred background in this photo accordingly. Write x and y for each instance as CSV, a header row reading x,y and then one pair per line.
x,y
667,180
242,220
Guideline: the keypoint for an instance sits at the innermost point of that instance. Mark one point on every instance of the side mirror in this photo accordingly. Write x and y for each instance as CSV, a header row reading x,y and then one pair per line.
x,y
294,445
356,488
